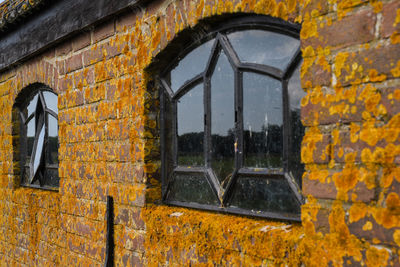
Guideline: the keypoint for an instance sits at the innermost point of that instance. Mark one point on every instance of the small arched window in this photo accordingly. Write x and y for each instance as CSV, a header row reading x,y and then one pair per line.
x,y
230,121
37,114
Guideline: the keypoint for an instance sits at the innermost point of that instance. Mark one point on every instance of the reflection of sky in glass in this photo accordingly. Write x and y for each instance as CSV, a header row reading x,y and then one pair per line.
x,y
262,101
32,105
31,128
51,101
191,111
222,97
38,152
296,93
192,64
262,47
53,128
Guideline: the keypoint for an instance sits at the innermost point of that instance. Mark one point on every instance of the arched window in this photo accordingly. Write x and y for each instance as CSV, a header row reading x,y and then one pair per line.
x,y
230,121
37,113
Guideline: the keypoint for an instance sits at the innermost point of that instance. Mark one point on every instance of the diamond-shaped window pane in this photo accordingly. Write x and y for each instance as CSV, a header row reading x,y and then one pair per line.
x,y
223,119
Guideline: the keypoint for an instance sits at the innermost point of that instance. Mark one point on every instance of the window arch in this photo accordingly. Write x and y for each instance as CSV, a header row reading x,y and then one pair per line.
x,y
230,121
36,113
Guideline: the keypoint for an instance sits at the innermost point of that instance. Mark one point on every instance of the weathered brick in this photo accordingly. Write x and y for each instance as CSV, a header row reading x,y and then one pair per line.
x,y
360,28
63,49
103,31
73,63
389,13
125,21
378,64
81,41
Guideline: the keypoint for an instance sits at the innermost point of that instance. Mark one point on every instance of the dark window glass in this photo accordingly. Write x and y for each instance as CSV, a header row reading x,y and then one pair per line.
x,y
39,139
296,93
230,119
192,188
261,194
262,121
191,128
223,119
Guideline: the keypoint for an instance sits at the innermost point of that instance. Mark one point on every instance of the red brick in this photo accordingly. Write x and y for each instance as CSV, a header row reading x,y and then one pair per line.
x,y
61,67
125,21
359,28
103,31
378,231
103,51
81,41
328,190
73,63
389,13
63,49
381,59
316,75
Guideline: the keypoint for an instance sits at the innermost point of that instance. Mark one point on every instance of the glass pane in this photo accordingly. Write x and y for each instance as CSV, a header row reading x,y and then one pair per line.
x,y
52,147
222,119
51,101
32,105
296,93
263,47
261,194
191,188
262,121
30,133
191,65
38,152
191,127
51,177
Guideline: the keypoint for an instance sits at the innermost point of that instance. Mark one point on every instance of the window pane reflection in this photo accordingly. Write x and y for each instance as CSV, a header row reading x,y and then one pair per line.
x,y
30,134
261,194
52,144
262,121
262,47
191,65
296,93
32,105
51,101
222,119
192,188
191,127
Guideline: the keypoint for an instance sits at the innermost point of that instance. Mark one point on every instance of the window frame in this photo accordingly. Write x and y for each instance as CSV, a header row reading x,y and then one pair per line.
x,y
166,93
21,104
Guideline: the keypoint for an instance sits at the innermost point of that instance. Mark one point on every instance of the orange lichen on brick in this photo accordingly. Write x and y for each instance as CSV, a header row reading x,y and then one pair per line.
x,y
357,211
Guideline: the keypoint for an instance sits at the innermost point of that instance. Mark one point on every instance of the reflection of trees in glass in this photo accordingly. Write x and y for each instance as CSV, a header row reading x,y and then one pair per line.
x,y
264,148
190,149
223,154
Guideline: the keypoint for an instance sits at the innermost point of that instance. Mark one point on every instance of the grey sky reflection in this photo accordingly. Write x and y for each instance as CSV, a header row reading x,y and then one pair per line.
x,y
263,47
222,97
191,65
262,101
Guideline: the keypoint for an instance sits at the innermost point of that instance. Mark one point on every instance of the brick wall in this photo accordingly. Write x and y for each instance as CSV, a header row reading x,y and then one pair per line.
x,y
109,145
